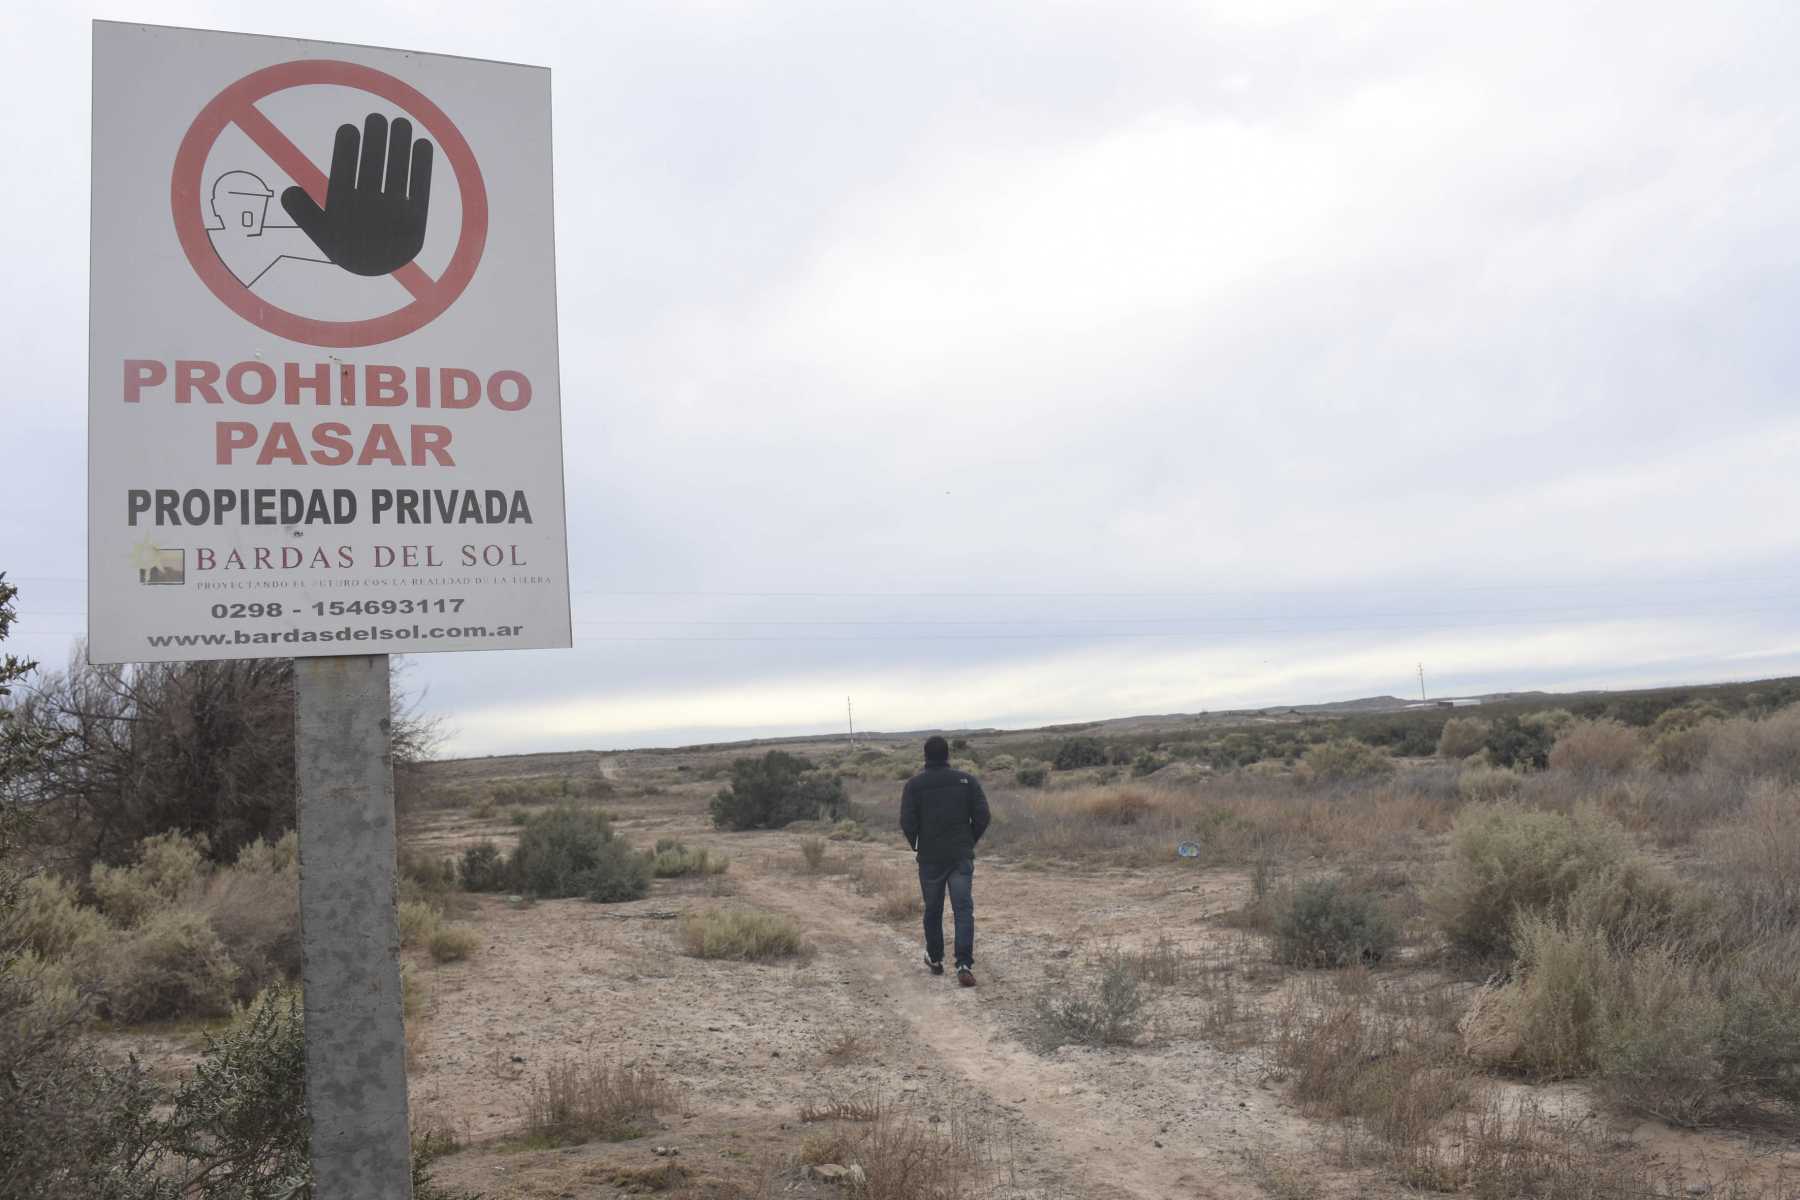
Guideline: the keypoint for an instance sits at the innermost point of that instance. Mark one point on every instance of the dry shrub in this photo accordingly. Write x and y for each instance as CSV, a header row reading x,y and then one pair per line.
x,y
1554,1011
254,907
821,1146
168,864
584,1101
1127,826
634,1181
847,1046
1102,1006
841,1108
1636,903
48,997
419,923
1482,784
1341,760
1461,737
1324,923
1382,1061
812,852
270,857
1165,963
1122,807
1744,750
672,860
746,935
173,965
1682,749
897,895
1657,1048
1504,860
1600,747
1757,861
904,1157
453,943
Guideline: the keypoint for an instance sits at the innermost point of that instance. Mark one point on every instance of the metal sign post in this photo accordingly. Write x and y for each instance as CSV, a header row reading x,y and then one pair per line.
x,y
349,935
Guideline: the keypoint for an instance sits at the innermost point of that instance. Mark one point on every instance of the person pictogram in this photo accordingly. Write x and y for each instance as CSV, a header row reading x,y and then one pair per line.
x,y
242,237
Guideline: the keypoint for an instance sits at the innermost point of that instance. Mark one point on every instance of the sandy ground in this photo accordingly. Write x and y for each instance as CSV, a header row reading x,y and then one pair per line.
x,y
1175,1116
745,1042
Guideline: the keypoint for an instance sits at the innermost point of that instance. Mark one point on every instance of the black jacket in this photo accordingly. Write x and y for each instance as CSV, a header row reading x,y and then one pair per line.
x,y
943,813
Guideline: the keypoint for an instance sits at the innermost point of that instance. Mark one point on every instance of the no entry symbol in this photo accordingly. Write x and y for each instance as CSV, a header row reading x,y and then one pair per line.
x,y
368,217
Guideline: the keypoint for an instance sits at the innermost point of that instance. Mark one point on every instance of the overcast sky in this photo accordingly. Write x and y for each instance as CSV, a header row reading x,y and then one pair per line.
x,y
995,364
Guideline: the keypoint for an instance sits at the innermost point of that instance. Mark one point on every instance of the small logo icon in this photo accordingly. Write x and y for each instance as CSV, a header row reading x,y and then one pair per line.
x,y
157,565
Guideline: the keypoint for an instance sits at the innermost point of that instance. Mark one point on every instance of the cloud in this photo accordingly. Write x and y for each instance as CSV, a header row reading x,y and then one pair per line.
x,y
1305,317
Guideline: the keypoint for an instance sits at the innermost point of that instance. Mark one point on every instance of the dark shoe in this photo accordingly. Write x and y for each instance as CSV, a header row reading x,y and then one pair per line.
x,y
936,968
965,976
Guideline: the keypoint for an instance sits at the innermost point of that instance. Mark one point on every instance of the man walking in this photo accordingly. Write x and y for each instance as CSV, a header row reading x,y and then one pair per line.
x,y
943,813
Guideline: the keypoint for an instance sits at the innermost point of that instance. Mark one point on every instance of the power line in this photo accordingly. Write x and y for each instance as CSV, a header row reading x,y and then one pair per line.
x,y
1093,635
1710,580
1650,605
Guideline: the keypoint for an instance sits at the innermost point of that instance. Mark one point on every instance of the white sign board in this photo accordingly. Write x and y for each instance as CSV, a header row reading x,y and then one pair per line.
x,y
323,404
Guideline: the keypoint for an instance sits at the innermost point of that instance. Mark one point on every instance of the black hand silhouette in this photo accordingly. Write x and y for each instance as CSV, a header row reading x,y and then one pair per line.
x,y
366,228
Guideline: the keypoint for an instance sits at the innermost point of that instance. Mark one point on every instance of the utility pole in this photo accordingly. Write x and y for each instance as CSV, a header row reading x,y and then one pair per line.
x,y
1421,683
850,717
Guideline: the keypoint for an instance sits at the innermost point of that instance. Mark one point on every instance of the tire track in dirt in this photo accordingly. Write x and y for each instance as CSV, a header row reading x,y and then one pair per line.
x,y
1106,1156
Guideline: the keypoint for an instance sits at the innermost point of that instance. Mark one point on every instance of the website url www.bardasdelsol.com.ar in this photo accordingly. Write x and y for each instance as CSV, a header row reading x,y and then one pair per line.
x,y
304,637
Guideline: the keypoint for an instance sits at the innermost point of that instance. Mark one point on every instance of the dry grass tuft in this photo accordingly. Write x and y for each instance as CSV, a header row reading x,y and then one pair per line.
x,y
574,1102
745,935
847,1046
453,943
841,1108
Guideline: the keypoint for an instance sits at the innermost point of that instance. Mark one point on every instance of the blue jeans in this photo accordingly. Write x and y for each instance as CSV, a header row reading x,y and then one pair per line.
x,y
959,878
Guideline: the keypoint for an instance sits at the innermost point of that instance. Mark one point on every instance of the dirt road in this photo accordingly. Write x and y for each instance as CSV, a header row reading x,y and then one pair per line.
x,y
1170,1118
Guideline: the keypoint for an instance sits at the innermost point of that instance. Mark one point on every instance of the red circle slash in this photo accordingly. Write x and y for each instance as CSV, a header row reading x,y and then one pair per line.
x,y
237,105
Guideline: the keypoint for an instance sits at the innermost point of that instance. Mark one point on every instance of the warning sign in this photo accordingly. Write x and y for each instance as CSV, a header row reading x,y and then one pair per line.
x,y
368,216
323,396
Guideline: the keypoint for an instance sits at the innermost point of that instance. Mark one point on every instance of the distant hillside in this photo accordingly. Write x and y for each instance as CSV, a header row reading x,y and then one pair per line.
x,y
1636,706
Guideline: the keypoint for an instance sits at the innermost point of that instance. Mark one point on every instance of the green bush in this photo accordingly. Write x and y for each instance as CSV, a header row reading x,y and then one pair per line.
x,y
1323,923
776,790
483,867
1031,775
573,852
1461,737
1147,762
1505,860
1513,742
1343,759
1077,752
